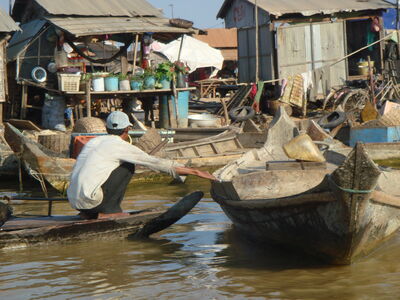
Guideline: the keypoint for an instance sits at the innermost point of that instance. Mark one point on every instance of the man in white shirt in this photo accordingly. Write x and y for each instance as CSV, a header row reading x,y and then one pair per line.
x,y
105,167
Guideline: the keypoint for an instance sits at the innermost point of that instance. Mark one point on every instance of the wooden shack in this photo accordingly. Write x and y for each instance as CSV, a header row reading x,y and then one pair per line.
x,y
53,27
7,26
303,35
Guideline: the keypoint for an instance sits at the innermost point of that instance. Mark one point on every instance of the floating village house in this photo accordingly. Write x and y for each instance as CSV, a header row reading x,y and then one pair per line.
x,y
7,26
303,35
49,26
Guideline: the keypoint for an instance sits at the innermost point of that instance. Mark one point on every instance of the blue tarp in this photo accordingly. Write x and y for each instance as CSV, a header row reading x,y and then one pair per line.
x,y
389,19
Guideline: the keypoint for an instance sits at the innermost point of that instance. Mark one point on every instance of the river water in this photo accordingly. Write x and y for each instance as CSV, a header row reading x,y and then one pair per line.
x,y
200,257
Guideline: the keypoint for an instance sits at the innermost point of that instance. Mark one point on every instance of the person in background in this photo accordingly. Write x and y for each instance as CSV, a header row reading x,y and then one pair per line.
x,y
105,167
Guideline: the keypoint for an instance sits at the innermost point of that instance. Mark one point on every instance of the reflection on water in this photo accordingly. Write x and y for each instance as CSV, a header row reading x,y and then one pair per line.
x,y
200,257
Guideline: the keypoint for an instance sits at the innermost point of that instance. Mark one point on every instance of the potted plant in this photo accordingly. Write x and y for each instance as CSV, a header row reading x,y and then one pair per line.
x,y
149,81
98,82
136,82
111,82
181,69
164,74
124,84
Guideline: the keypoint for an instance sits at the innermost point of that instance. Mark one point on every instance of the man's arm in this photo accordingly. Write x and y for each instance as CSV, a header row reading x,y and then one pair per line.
x,y
191,171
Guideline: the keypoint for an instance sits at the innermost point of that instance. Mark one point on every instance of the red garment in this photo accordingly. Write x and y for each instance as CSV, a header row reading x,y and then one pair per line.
x,y
253,91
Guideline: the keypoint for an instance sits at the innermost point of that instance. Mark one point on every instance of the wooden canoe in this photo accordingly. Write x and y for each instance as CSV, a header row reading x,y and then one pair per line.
x,y
45,165
22,232
337,216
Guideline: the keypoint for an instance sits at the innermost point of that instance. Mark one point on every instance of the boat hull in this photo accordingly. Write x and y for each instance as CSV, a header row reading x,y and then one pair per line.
x,y
23,232
322,228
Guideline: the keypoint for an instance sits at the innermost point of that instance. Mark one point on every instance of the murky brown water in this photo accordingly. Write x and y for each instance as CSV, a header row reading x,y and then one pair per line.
x,y
201,257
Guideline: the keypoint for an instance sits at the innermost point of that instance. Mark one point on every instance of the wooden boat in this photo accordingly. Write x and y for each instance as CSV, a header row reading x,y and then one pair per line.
x,y
40,163
8,160
21,232
337,216
45,165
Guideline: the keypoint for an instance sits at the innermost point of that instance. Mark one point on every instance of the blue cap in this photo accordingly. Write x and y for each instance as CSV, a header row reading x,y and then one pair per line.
x,y
118,120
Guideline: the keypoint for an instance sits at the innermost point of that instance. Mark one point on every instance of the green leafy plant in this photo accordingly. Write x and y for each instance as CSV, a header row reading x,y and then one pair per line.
x,y
149,72
123,76
136,77
164,70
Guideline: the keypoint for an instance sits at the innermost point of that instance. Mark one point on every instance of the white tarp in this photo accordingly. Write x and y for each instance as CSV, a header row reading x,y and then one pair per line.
x,y
195,53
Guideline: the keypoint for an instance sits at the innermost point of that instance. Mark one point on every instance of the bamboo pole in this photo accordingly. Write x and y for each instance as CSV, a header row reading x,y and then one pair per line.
x,y
180,47
135,53
257,44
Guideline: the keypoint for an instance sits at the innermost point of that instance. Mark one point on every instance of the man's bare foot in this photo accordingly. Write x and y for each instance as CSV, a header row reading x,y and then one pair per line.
x,y
116,215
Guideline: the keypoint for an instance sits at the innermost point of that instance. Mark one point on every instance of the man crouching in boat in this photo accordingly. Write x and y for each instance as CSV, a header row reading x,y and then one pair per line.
x,y
105,167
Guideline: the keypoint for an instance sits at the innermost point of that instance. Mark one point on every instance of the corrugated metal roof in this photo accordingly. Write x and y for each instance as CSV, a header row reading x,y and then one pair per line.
x,y
117,8
20,39
7,24
113,25
311,7
219,37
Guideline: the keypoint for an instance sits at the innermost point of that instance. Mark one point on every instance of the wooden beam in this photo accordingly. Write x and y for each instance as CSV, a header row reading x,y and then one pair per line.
x,y
24,101
88,99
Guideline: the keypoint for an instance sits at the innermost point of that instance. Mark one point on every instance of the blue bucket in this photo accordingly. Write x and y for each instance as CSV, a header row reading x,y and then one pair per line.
x,y
149,82
111,83
136,85
165,83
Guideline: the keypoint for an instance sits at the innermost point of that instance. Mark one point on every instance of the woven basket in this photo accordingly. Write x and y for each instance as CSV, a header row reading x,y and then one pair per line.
x,y
90,125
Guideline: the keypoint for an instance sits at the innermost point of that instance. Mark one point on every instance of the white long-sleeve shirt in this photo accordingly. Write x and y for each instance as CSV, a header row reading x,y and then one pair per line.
x,y
98,158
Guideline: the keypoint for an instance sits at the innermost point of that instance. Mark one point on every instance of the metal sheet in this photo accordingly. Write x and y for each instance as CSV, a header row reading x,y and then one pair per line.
x,y
307,47
294,50
113,25
22,38
247,54
308,7
128,8
7,24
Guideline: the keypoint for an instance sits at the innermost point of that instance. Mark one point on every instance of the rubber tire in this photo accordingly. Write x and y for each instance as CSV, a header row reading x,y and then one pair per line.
x,y
339,118
234,113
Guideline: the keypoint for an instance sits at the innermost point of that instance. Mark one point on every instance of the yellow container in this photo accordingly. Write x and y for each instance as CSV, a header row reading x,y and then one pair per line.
x,y
363,67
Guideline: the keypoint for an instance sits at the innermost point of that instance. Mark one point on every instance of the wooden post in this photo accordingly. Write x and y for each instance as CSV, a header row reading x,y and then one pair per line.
x,y
371,81
398,27
88,99
124,63
135,53
256,38
180,47
226,115
24,101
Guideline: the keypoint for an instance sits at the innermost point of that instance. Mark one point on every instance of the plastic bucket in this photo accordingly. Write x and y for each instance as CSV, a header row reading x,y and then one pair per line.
x,y
165,83
98,84
124,85
136,85
111,83
149,82
363,68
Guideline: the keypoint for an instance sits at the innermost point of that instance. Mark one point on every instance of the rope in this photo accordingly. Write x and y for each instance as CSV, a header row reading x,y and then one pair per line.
x,y
351,191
